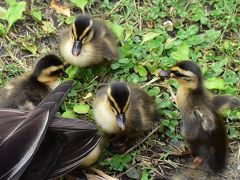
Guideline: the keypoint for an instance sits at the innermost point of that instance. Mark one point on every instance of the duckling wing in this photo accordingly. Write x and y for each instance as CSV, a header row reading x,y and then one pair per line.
x,y
225,102
81,139
207,118
106,42
109,50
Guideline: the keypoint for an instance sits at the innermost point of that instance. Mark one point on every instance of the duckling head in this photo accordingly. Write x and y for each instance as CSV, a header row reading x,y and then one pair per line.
x,y
188,74
118,97
81,33
48,69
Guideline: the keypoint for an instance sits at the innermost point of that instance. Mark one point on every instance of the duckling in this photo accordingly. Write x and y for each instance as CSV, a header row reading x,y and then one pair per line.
x,y
203,124
26,91
22,132
125,110
88,42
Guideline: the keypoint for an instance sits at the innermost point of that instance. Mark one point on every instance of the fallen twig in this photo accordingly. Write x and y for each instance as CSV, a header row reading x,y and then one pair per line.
x,y
101,173
150,82
129,169
142,141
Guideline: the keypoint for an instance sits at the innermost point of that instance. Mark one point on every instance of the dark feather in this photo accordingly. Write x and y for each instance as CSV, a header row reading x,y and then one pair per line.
x,y
224,102
66,143
22,133
81,139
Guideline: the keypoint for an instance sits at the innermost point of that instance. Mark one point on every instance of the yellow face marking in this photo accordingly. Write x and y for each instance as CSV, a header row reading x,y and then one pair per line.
x,y
87,38
74,32
184,72
45,74
127,104
112,99
86,30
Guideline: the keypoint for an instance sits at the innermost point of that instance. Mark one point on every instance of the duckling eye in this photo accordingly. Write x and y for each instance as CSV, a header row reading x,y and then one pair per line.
x,y
57,72
177,73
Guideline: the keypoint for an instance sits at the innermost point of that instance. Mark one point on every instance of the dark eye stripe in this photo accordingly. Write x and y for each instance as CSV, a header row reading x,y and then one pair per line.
x,y
87,33
178,74
57,72
112,104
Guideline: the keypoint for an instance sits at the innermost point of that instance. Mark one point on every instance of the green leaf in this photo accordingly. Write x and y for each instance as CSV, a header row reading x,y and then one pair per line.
x,y
142,71
218,66
70,19
115,65
72,71
14,13
145,174
182,52
2,29
2,13
115,162
154,91
215,83
116,28
80,3
211,35
69,114
48,27
30,47
81,108
193,29
37,14
150,36
126,159
10,2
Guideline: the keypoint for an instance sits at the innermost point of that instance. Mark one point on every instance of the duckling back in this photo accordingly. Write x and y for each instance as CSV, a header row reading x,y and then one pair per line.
x,y
26,91
142,111
23,93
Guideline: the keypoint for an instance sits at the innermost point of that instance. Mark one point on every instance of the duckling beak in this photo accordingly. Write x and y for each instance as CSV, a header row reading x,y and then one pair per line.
x,y
76,49
121,120
64,74
165,74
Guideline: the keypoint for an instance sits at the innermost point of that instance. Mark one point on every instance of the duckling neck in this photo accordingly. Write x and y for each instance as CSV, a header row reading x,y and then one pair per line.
x,y
188,98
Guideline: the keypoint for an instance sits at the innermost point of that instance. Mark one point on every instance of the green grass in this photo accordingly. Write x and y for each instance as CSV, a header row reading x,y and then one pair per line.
x,y
153,35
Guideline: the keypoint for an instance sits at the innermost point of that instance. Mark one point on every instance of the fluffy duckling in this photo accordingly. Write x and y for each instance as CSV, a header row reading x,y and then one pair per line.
x,y
123,109
22,132
203,125
28,90
88,42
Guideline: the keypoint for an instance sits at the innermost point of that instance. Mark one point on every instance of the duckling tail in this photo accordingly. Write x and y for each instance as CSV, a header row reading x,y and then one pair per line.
x,y
217,160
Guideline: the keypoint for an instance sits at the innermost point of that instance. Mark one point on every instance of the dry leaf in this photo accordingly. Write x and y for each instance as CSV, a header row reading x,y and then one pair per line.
x,y
88,96
60,8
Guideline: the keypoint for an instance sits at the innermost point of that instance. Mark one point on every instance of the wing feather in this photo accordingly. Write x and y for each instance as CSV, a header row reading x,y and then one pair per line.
x,y
22,132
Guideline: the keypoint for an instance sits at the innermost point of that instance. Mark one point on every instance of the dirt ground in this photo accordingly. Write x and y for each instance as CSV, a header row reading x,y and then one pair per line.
x,y
189,171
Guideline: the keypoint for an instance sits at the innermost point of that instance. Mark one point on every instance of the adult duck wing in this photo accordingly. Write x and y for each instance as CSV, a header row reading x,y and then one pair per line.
x,y
21,133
